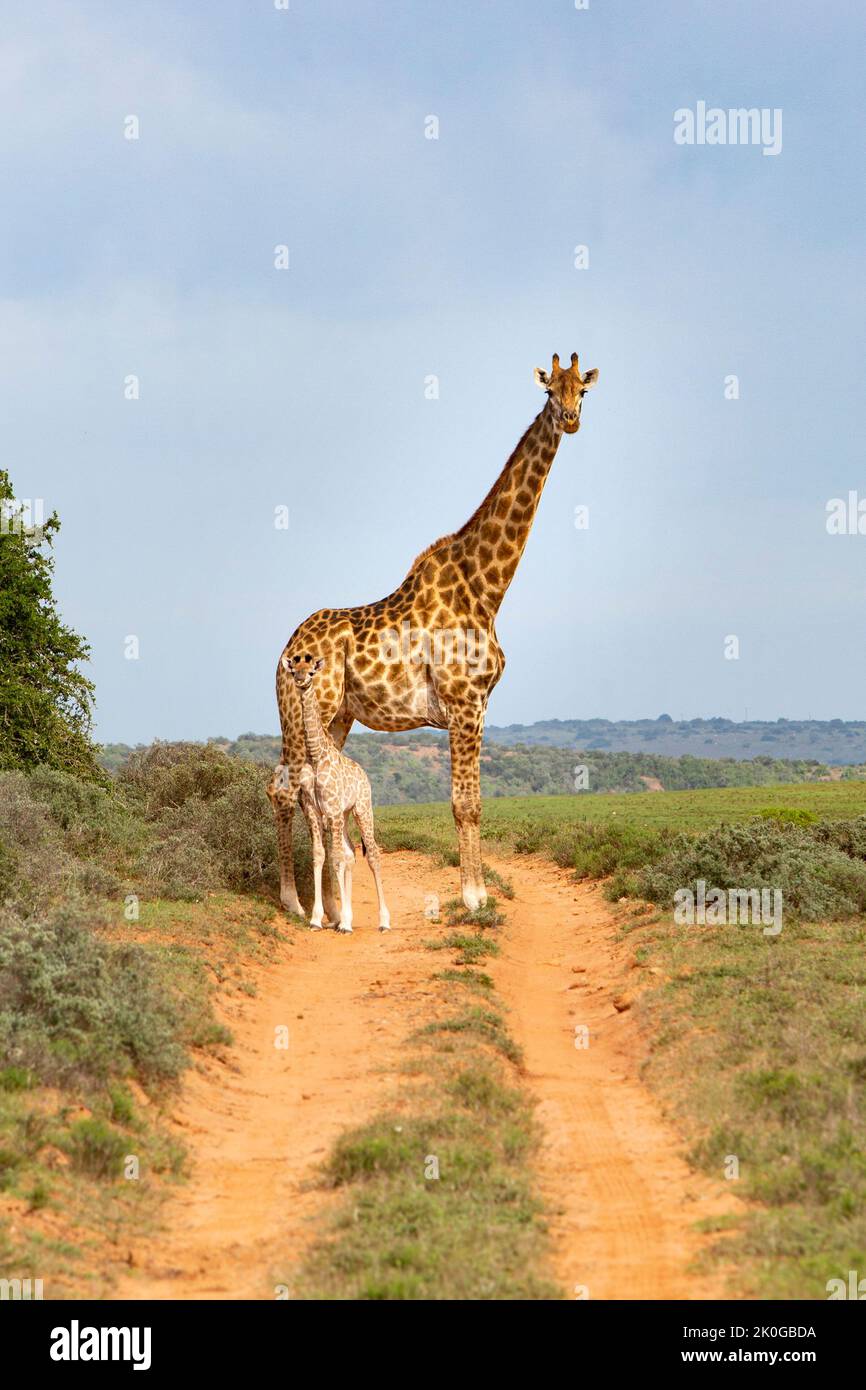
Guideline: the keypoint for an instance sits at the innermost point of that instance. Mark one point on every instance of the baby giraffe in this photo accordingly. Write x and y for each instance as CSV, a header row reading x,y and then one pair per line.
x,y
335,785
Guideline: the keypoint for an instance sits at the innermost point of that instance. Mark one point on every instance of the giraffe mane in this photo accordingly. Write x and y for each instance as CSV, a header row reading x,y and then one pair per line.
x,y
494,491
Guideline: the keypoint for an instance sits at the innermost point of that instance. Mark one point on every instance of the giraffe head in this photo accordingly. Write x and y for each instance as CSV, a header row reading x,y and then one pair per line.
x,y
566,389
302,669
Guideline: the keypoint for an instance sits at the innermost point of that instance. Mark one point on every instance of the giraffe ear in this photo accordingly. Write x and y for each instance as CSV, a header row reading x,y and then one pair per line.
x,y
318,665
590,378
542,378
284,662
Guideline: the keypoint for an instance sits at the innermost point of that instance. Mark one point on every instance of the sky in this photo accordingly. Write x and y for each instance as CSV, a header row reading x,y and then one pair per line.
x,y
411,257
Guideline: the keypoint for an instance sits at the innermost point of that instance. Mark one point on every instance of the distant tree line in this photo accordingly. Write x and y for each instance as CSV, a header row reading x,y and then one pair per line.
x,y
415,767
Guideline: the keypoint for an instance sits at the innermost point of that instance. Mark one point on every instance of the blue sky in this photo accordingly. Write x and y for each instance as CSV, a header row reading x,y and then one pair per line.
x,y
454,257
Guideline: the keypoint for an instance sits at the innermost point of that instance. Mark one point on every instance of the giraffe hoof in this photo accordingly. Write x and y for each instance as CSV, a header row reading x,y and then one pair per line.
x,y
384,926
316,926
345,930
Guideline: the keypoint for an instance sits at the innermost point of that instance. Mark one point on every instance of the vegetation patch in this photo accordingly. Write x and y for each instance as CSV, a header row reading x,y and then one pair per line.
x,y
439,1198
774,1031
117,923
487,915
471,948
820,867
484,1023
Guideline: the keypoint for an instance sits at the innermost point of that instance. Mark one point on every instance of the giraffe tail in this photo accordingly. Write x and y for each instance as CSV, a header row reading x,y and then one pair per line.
x,y
363,847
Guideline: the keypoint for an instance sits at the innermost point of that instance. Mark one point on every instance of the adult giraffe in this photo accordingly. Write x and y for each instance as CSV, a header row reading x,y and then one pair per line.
x,y
428,653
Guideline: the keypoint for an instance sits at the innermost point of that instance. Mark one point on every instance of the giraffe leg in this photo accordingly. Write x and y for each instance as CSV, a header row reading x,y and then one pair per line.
x,y
287,778
348,870
322,884
337,834
283,794
364,817
338,731
314,820
465,737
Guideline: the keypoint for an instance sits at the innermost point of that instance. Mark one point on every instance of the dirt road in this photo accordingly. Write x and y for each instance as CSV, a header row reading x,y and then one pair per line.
x,y
622,1203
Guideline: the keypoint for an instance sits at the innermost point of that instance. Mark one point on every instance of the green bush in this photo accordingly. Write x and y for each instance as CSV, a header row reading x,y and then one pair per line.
x,y
93,818
241,833
96,1148
596,850
75,1009
818,880
789,815
167,775
849,836
179,865
210,820
35,868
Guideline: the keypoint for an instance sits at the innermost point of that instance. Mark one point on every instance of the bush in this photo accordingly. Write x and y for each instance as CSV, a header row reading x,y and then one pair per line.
x,y
34,866
41,842
75,1009
93,818
241,833
211,823
167,775
849,836
96,1148
789,815
817,879
179,865
594,851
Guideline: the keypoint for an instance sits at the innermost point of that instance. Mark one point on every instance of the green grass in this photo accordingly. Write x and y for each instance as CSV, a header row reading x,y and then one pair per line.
x,y
506,820
472,948
770,1036
484,1023
475,980
487,915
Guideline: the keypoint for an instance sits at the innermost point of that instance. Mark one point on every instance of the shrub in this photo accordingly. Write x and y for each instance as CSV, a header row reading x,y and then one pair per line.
x,y
594,851
241,833
817,880
93,818
849,836
75,1009
34,866
789,815
96,1148
179,865
41,841
167,775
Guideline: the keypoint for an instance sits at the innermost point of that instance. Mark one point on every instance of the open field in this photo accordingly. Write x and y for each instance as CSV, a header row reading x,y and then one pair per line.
x,y
505,817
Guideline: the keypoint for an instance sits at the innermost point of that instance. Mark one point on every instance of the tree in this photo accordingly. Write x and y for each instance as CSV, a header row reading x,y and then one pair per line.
x,y
46,703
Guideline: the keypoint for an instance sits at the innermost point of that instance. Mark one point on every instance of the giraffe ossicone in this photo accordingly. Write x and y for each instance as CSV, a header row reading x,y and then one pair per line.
x,y
453,589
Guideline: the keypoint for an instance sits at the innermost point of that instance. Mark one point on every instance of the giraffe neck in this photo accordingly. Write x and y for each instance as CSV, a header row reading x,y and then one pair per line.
x,y
315,738
497,533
